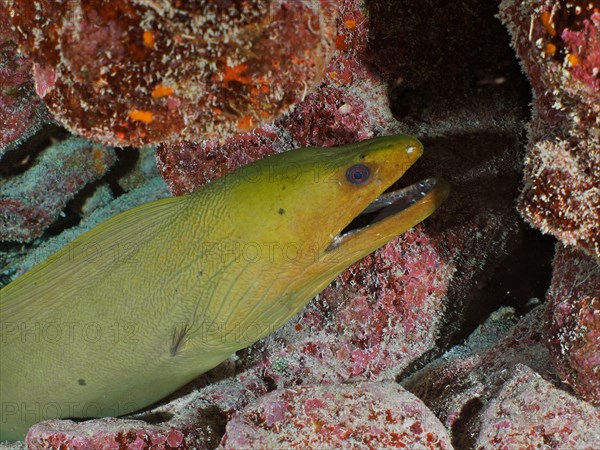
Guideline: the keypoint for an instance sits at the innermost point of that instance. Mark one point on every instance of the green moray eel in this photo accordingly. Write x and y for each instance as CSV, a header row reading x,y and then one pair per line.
x,y
155,296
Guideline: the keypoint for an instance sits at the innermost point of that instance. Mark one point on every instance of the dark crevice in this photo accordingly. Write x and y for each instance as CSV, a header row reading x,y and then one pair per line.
x,y
128,157
462,429
72,214
215,422
508,287
155,418
22,158
270,383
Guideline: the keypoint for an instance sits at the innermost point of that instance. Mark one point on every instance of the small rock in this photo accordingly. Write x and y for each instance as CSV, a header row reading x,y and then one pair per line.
x,y
369,415
530,412
573,321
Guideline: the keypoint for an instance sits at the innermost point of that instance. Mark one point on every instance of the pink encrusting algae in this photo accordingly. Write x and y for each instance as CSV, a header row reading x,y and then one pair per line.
x,y
407,299
377,318
114,435
506,395
364,415
191,421
530,412
391,308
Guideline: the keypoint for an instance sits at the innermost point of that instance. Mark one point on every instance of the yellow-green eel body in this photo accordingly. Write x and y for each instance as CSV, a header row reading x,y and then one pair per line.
x,y
155,296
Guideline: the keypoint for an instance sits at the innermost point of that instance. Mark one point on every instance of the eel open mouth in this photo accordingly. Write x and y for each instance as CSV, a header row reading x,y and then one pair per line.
x,y
386,205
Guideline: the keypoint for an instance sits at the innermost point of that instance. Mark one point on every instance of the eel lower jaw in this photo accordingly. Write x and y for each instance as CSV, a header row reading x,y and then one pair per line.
x,y
395,204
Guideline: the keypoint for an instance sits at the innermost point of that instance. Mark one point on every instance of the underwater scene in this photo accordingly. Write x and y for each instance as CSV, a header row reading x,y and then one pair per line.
x,y
315,224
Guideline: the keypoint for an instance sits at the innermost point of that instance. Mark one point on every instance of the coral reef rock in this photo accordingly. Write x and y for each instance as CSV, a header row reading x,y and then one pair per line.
x,y
374,321
530,412
196,420
442,71
505,395
559,45
139,72
115,434
573,321
33,200
22,112
369,415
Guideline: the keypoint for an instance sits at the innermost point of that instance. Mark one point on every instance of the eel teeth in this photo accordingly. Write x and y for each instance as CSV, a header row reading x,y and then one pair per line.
x,y
386,205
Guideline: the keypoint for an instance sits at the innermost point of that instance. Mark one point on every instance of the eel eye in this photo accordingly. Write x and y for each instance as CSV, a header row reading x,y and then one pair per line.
x,y
357,174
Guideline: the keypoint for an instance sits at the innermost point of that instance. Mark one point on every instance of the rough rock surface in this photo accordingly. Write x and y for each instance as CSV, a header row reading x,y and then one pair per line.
x,y
22,112
572,326
457,386
195,420
506,395
33,200
415,289
141,72
530,412
114,434
559,45
375,320
365,415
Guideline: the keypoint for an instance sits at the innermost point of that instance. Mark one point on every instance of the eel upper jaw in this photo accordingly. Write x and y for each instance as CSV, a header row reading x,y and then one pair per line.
x,y
385,205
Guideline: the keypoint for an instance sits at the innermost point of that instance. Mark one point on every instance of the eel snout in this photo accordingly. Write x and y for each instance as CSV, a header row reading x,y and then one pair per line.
x,y
390,203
